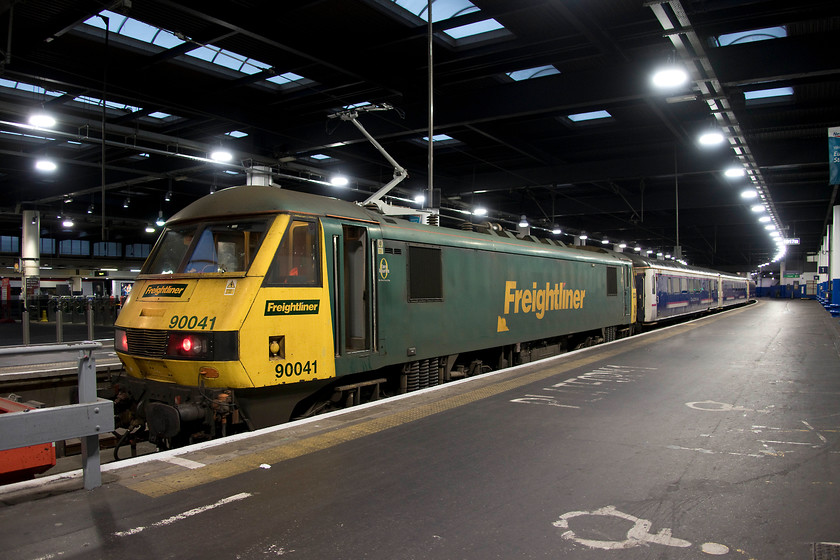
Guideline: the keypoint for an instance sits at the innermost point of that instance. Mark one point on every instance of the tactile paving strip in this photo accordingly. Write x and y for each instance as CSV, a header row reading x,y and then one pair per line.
x,y
826,551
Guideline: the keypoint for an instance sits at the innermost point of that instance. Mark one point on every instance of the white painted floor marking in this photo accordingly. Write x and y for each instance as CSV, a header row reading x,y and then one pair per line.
x,y
185,515
819,435
714,406
637,535
182,462
714,548
594,384
710,452
541,399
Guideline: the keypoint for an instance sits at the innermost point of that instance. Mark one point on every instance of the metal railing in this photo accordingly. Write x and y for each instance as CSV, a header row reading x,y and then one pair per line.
x,y
86,420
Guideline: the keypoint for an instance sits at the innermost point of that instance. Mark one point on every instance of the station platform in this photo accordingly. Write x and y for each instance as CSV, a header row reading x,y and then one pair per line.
x,y
717,437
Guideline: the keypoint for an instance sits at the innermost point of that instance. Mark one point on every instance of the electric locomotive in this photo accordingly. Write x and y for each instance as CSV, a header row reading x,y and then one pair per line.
x,y
260,304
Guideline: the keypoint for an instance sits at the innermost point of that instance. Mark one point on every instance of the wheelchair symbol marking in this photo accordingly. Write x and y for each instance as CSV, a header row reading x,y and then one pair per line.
x,y
638,534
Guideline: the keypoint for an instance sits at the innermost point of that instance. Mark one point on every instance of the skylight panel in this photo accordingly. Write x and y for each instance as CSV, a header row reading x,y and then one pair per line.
x,y
21,86
531,73
204,53
287,78
27,136
472,29
441,9
149,34
224,58
763,34
109,104
159,115
590,116
236,134
136,29
320,156
438,138
768,93
357,105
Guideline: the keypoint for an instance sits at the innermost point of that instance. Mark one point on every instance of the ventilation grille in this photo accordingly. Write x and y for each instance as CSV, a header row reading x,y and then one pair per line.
x,y
146,342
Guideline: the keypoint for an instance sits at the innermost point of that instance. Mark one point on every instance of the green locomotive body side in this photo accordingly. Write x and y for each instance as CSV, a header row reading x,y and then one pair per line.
x,y
439,291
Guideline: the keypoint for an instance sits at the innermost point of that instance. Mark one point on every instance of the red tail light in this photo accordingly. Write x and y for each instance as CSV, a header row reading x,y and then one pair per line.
x,y
188,345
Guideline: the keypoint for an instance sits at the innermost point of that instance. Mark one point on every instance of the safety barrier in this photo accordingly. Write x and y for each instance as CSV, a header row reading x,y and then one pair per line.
x,y
86,420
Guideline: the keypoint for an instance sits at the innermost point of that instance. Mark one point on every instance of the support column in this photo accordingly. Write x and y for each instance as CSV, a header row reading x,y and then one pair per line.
x,y
30,252
822,261
834,264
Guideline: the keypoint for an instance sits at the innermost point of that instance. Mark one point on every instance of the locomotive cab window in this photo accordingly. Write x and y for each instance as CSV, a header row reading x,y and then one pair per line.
x,y
215,247
297,261
425,274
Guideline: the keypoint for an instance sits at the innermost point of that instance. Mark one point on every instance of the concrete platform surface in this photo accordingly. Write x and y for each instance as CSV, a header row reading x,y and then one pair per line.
x,y
712,438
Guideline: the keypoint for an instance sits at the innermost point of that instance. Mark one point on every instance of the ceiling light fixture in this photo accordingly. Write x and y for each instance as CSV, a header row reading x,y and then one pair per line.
x,y
42,120
711,138
749,193
160,221
556,230
221,155
734,172
339,181
46,165
669,77
758,208
480,211
523,221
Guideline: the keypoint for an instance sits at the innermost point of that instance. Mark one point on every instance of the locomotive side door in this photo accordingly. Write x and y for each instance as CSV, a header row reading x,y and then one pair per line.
x,y
356,290
353,291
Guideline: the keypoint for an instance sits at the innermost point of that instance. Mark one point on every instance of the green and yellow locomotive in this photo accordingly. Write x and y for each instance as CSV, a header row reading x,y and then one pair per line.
x,y
260,304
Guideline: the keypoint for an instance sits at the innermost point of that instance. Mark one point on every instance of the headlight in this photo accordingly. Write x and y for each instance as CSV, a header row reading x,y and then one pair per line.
x,y
120,341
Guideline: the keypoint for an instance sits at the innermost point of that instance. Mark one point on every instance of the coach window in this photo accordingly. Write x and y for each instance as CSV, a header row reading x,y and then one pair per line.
x,y
425,274
612,281
296,262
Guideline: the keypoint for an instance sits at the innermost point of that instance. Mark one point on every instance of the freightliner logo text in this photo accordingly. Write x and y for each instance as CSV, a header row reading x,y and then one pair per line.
x,y
539,300
164,290
292,307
